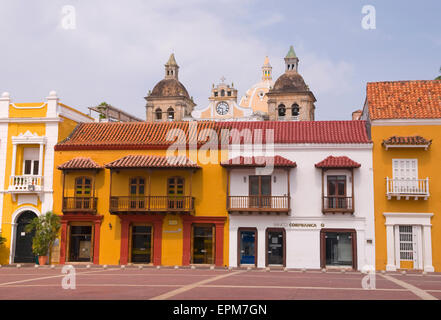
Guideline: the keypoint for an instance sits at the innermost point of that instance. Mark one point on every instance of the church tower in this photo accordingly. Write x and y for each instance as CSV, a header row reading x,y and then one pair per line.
x,y
169,100
267,70
290,98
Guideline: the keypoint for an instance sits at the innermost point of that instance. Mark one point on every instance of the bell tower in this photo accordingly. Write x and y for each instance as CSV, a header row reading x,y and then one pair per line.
x,y
171,68
291,60
267,70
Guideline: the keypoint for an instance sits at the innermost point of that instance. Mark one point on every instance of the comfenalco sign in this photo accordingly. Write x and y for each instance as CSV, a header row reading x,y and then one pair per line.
x,y
299,225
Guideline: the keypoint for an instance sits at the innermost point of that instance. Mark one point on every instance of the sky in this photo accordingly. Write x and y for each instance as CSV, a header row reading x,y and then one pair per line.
x,y
116,50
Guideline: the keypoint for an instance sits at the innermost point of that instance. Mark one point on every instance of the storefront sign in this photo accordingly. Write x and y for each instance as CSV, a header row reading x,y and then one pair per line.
x,y
299,225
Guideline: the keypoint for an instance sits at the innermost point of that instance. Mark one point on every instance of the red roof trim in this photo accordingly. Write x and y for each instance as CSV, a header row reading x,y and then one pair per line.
x,y
144,161
277,161
337,162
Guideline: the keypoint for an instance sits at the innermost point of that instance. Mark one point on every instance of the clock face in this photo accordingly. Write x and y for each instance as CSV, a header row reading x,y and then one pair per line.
x,y
222,108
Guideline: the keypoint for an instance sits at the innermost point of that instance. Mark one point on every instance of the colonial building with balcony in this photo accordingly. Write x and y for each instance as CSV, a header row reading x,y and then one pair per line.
x,y
308,203
404,120
127,201
28,134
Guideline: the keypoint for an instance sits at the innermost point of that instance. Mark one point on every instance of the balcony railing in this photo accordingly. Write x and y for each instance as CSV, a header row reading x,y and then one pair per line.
x,y
338,204
26,183
258,203
417,188
79,204
151,204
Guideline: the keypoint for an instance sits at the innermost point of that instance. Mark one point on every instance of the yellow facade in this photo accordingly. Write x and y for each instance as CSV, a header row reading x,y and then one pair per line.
x,y
208,187
428,166
25,123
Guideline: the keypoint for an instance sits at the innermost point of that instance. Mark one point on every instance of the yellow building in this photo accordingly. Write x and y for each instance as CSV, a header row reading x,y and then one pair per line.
x,y
405,125
28,134
123,201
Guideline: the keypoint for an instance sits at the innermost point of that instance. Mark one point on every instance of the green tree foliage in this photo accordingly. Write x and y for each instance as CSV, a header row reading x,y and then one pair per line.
x,y
46,230
439,77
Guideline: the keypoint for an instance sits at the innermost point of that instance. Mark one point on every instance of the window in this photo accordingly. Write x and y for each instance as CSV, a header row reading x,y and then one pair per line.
x,y
175,192
215,93
229,93
337,192
222,92
170,113
260,191
295,110
31,161
137,190
83,187
281,110
405,175
158,113
339,248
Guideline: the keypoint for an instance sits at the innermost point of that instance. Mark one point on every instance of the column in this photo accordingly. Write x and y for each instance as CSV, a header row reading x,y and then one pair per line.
x,y
157,242
186,250
14,157
390,241
96,242
40,160
427,249
219,260
124,255
63,242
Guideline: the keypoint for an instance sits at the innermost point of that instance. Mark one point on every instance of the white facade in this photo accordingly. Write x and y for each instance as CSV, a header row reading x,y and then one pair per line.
x,y
305,220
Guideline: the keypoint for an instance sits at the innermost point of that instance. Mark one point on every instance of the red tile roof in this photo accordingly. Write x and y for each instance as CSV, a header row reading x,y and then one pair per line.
x,y
145,135
79,163
410,140
144,161
337,162
277,161
404,99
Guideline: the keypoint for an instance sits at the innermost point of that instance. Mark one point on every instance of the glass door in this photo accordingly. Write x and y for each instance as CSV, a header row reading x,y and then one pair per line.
x,y
338,248
247,247
175,192
80,248
337,192
137,190
83,187
141,244
203,244
275,247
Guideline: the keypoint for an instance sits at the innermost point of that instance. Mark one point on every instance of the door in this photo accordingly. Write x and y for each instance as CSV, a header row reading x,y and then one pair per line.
x,y
405,175
23,239
80,243
247,246
137,191
275,244
337,192
203,244
260,191
83,187
141,244
175,192
408,247
339,249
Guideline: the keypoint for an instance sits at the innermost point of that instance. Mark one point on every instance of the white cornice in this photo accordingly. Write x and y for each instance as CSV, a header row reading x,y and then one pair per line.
x,y
406,122
28,138
28,107
75,116
30,120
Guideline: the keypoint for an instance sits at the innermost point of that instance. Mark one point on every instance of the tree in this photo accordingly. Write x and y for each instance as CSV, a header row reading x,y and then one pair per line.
x,y
439,77
2,240
46,230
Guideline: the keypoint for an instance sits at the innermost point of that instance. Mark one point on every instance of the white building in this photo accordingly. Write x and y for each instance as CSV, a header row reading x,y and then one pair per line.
x,y
315,209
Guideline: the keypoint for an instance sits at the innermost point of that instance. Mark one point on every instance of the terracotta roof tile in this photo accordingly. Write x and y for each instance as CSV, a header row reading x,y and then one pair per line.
x,y
337,162
404,99
79,163
145,135
278,161
144,161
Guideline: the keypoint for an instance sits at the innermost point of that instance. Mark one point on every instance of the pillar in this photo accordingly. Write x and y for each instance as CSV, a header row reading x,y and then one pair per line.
x,y
427,249
219,260
96,242
157,242
124,255
390,242
63,242
186,250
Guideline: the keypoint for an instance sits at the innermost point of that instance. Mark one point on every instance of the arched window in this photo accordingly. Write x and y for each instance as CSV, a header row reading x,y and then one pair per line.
x,y
295,110
222,92
158,113
281,110
170,113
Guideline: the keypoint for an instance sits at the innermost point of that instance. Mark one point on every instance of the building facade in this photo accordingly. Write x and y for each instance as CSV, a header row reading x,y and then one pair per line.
x,y
28,134
313,207
125,202
405,124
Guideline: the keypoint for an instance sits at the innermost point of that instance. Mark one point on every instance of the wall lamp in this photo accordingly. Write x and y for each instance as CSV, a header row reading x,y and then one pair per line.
x,y
110,226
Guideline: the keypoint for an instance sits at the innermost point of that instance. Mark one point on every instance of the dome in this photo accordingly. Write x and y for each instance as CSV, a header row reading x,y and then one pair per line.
x,y
255,97
290,82
169,88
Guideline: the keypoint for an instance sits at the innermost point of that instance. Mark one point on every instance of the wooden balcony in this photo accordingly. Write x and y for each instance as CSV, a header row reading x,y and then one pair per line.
x,y
151,204
79,204
260,204
337,204
407,188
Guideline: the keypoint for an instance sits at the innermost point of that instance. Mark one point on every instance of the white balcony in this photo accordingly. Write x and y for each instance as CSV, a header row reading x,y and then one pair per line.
x,y
25,184
407,188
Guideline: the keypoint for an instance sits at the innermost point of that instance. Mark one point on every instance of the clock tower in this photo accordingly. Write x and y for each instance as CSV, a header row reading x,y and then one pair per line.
x,y
222,104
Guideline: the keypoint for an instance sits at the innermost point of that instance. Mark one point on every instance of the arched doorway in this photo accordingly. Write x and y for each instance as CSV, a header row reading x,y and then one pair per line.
x,y
23,239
